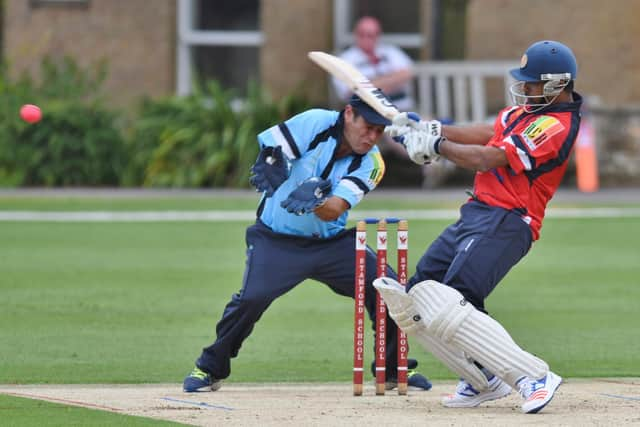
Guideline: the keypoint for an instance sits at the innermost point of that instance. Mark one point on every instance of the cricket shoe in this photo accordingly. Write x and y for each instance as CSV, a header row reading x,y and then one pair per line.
x,y
199,380
538,393
415,381
466,396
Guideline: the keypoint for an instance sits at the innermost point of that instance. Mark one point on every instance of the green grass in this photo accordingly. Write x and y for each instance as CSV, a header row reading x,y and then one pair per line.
x,y
195,201
246,201
131,203
136,302
36,413
574,299
131,302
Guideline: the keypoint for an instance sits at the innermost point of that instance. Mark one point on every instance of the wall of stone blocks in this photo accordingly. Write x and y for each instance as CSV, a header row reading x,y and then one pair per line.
x,y
292,28
137,37
602,34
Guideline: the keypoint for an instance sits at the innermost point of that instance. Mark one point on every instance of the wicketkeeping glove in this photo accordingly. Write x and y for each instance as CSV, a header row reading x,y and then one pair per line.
x,y
308,196
269,171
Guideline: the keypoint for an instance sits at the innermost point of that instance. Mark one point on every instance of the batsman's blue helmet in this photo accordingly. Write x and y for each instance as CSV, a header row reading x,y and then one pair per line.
x,y
546,60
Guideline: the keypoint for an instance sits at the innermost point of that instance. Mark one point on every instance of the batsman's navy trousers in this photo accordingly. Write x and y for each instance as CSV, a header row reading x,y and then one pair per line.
x,y
476,252
277,263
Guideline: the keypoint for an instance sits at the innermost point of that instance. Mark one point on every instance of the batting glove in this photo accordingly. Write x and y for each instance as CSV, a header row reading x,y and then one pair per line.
x,y
269,171
309,195
402,124
420,138
423,145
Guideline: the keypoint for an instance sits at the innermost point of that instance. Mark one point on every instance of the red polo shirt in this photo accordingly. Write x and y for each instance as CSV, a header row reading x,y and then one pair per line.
x,y
537,147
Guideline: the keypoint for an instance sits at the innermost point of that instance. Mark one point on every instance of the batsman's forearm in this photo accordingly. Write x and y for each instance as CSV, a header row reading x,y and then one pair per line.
x,y
473,157
477,134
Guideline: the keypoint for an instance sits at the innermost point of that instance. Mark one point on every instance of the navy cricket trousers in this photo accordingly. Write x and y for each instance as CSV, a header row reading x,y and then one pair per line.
x,y
476,252
277,263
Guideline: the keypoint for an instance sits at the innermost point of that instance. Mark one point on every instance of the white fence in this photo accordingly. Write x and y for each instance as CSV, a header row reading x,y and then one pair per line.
x,y
457,89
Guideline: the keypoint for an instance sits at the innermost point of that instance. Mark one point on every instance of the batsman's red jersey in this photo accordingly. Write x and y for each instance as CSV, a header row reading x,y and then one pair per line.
x,y
537,147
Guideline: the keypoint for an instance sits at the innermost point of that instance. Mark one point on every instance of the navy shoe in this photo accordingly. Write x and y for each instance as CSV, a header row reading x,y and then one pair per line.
x,y
199,380
415,380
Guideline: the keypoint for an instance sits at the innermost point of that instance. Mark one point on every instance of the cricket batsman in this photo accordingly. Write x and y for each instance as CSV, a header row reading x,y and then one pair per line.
x,y
519,164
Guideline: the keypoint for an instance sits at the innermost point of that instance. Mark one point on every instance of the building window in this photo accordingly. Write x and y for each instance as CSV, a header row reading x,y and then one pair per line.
x,y
218,40
40,3
401,25
232,66
225,15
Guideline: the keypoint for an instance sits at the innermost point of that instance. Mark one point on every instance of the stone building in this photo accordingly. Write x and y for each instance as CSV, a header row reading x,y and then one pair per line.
x,y
137,41
157,47
601,34
141,38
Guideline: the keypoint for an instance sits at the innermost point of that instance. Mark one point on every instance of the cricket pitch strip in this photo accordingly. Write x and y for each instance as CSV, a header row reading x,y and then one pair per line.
x,y
578,402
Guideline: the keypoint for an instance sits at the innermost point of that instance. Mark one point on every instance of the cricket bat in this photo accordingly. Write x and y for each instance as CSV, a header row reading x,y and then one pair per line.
x,y
356,81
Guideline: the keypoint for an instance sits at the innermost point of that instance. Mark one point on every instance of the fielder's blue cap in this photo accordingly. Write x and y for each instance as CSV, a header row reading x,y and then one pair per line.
x,y
368,114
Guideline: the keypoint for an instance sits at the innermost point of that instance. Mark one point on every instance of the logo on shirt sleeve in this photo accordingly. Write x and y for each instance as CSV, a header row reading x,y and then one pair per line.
x,y
541,130
378,169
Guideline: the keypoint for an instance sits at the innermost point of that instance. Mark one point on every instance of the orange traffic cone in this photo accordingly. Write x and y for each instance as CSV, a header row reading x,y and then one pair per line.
x,y
586,158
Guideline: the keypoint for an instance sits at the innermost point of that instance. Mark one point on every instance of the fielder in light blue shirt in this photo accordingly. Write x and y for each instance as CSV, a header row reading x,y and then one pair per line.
x,y
312,146
311,170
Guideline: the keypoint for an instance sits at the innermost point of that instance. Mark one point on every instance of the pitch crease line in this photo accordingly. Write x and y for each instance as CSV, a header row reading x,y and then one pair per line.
x,y
203,404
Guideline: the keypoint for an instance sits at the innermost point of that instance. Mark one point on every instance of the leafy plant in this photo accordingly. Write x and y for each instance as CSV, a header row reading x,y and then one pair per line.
x,y
205,139
76,143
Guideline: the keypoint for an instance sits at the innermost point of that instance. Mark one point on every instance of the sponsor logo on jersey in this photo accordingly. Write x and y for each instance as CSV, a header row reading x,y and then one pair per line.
x,y
378,169
541,130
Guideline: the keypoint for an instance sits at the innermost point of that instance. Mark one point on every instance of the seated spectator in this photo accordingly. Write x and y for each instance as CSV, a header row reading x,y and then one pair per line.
x,y
387,66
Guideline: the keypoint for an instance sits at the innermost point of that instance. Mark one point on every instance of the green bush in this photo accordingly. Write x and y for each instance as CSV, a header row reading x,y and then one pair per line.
x,y
77,142
206,139
74,145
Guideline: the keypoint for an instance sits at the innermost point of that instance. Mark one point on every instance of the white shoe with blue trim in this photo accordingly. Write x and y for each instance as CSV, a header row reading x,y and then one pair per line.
x,y
538,393
466,396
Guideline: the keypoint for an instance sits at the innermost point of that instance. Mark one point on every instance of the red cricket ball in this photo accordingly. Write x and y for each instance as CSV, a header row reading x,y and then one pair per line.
x,y
30,113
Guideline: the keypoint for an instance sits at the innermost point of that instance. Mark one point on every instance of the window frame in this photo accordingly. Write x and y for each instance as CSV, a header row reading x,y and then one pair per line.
x,y
71,3
188,37
343,33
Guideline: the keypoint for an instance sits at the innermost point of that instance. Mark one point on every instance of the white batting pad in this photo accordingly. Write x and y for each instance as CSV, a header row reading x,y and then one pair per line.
x,y
454,359
402,310
399,304
451,319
